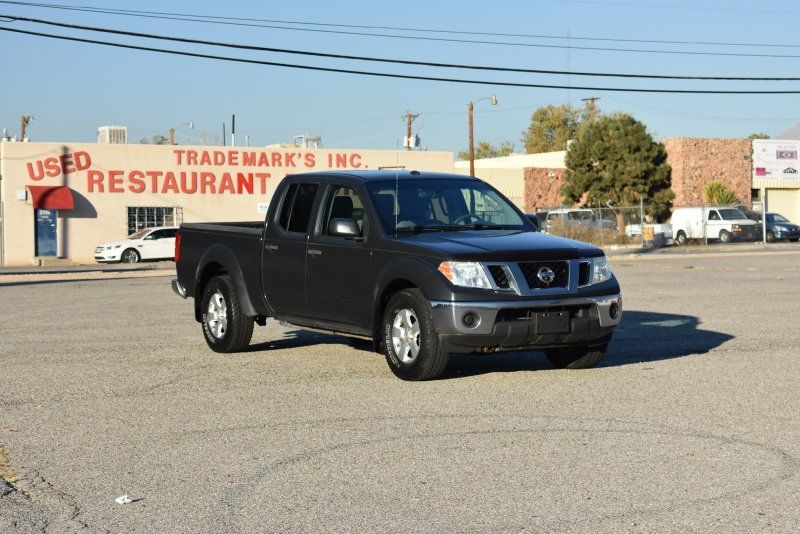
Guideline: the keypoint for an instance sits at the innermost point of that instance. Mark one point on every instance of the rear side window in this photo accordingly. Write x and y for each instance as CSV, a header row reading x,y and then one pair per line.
x,y
296,209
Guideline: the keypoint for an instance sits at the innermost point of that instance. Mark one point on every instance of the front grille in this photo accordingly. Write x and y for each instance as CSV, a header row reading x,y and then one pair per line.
x,y
499,275
584,273
531,271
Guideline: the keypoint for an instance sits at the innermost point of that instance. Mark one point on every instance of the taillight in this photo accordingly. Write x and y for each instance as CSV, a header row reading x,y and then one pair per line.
x,y
177,246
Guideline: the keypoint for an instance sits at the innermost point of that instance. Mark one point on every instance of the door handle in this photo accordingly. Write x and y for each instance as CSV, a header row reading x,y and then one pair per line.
x,y
271,247
314,251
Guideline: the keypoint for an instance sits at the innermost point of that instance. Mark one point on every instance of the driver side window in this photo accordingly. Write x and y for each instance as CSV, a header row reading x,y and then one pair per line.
x,y
343,203
713,215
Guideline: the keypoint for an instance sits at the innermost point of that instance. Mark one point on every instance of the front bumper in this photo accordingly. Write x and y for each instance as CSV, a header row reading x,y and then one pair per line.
x,y
103,255
516,324
792,234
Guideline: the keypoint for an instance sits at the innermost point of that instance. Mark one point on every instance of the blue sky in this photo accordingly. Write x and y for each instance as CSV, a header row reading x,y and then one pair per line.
x,y
72,88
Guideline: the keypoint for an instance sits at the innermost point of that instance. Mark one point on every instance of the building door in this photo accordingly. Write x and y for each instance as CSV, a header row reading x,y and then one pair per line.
x,y
46,237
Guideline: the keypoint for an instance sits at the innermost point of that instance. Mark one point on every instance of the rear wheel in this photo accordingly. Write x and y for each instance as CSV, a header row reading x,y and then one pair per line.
x,y
724,237
130,256
225,327
575,358
681,238
411,343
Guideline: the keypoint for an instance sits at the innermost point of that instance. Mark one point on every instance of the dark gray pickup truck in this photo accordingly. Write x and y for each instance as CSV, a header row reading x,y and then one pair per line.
x,y
422,264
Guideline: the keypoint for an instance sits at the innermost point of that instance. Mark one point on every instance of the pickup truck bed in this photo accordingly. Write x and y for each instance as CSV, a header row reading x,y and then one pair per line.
x,y
422,264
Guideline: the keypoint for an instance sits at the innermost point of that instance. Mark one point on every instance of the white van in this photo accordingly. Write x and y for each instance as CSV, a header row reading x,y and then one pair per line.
x,y
720,223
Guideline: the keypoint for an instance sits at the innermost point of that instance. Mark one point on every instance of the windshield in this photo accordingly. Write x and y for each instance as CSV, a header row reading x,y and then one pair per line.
x,y
431,204
139,234
776,218
731,214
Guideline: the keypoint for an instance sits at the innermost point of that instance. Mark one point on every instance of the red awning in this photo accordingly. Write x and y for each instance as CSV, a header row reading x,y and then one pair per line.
x,y
58,197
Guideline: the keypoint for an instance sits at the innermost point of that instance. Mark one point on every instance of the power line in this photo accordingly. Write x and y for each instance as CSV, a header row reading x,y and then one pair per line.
x,y
119,11
393,61
193,18
676,6
398,76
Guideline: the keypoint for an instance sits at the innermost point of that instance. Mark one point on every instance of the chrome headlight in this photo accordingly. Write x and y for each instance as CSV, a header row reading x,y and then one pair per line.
x,y
465,274
600,270
113,247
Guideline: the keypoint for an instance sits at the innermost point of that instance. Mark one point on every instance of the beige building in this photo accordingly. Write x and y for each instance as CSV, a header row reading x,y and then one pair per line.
x,y
60,200
508,173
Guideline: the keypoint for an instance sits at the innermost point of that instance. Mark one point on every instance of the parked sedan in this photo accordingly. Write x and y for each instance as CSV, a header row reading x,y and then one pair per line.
x,y
148,244
778,227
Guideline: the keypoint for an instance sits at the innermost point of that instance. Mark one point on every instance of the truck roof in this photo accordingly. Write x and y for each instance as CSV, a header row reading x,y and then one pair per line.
x,y
386,174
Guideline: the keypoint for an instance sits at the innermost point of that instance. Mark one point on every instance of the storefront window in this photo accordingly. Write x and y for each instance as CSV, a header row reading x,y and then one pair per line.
x,y
140,217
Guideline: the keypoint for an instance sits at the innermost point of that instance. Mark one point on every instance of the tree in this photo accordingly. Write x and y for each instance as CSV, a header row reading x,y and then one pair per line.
x,y
156,140
486,150
716,192
758,136
552,126
615,159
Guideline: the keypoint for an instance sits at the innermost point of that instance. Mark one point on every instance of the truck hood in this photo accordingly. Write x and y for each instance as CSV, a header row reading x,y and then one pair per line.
x,y
503,245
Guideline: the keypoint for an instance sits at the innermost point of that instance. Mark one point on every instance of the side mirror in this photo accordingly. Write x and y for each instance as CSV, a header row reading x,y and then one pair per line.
x,y
344,228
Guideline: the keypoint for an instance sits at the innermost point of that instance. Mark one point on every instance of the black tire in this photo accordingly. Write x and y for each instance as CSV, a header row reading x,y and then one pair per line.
x,y
130,255
238,330
770,237
431,359
681,238
724,236
794,239
575,358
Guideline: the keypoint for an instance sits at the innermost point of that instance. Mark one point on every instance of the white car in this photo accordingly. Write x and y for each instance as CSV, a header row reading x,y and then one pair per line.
x,y
148,244
721,223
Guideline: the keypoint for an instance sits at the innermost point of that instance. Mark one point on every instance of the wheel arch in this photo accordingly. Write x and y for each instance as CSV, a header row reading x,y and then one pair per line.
x,y
399,275
216,261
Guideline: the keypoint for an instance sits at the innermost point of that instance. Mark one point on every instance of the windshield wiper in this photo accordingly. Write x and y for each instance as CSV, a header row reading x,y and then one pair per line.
x,y
421,228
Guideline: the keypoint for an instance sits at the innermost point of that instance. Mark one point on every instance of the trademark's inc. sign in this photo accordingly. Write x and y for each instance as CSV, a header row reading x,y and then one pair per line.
x,y
194,180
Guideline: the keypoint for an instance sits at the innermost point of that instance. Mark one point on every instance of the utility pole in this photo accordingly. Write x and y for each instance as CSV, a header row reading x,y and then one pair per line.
x,y
590,105
172,136
471,108
24,120
233,130
409,119
471,112
223,134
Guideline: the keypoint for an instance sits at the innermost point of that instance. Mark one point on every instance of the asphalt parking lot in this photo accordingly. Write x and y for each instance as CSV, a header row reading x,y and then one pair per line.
x,y
690,423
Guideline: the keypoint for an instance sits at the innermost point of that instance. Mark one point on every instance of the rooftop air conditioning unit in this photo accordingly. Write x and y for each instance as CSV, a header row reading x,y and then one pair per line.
x,y
117,135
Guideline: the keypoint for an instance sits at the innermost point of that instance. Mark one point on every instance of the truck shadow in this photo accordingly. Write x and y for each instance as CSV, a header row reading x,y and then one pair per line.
x,y
641,337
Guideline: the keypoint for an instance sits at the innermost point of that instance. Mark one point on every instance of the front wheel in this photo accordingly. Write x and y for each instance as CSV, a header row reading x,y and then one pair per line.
x,y
225,326
770,237
575,358
724,237
411,343
130,256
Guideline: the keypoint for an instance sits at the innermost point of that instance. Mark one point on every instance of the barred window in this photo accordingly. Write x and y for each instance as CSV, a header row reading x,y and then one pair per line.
x,y
141,217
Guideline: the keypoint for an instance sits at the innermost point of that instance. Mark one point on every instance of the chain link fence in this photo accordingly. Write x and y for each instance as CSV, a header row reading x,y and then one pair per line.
x,y
635,225
606,225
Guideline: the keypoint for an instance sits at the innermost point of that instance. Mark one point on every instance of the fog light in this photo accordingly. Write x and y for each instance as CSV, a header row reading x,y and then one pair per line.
x,y
470,320
613,310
